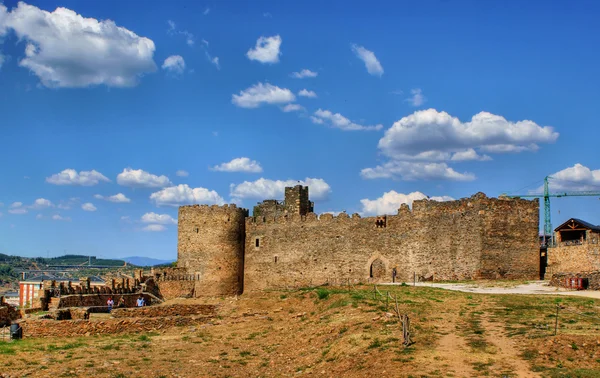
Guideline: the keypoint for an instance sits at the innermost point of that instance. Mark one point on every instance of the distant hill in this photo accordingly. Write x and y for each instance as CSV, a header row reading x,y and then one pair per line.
x,y
145,261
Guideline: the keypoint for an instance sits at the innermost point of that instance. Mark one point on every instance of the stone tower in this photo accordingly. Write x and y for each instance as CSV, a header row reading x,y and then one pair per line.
x,y
211,245
296,200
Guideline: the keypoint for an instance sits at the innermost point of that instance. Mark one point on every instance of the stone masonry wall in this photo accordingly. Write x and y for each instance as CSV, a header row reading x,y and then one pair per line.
x,y
476,237
176,289
89,300
211,245
574,258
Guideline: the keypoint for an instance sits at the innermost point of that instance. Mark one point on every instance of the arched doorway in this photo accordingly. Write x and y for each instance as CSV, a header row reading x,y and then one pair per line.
x,y
377,269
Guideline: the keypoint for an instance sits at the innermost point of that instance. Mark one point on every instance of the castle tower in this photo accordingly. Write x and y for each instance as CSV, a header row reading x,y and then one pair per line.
x,y
296,200
211,245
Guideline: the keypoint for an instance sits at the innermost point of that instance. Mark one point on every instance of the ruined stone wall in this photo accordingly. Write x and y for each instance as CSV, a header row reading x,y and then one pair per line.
x,y
296,200
476,237
562,279
269,208
176,289
89,300
211,245
573,258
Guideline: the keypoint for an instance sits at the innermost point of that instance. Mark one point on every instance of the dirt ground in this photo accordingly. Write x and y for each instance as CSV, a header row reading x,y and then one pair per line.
x,y
333,332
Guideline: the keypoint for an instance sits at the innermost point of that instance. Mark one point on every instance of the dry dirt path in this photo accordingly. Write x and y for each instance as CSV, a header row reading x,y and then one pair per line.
x,y
507,356
534,287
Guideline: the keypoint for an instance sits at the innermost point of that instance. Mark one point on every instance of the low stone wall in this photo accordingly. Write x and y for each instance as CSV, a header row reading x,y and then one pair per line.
x,y
8,314
560,279
164,311
98,300
74,328
176,289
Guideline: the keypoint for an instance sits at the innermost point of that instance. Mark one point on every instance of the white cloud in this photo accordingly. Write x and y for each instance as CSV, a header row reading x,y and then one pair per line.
x,y
71,177
117,198
206,11
65,49
39,216
88,207
390,202
158,218
266,50
182,173
57,217
1,60
17,208
137,178
174,64
438,134
304,74
292,108
371,62
417,98
339,121
260,93
215,61
40,204
307,93
154,228
273,189
575,178
267,15
242,164
469,154
182,194
415,171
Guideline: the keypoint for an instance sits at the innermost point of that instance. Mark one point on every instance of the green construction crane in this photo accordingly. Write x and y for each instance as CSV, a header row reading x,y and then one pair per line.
x,y
547,217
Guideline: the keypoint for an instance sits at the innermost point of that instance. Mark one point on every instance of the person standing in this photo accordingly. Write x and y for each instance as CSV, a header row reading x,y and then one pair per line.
x,y
394,272
110,303
140,302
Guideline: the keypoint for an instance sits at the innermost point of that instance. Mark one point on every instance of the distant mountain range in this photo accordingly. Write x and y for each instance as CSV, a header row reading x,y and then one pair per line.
x,y
145,261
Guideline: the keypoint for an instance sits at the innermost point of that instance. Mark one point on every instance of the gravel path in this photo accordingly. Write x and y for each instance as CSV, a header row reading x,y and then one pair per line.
x,y
533,287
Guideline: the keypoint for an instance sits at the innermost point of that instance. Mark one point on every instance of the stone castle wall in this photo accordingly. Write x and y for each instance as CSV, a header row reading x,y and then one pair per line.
x,y
574,258
477,237
211,245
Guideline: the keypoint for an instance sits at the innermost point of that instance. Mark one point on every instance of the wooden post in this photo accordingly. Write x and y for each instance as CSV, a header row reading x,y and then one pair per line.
x,y
556,323
414,278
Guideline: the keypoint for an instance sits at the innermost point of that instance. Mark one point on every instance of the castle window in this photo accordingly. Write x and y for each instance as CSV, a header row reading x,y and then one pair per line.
x,y
197,229
257,243
380,222
275,258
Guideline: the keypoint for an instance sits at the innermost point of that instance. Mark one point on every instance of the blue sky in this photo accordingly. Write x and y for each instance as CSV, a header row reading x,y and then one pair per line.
x,y
114,113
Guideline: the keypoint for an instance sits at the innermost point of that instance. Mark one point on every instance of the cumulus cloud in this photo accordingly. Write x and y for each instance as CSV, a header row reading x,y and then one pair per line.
x,y
40,204
415,171
292,108
182,173
433,132
266,50
154,228
137,178
71,177
17,208
368,57
64,49
182,194
174,64
273,189
469,154
58,217
158,218
304,74
88,206
390,202
575,178
339,121
417,98
117,198
242,164
260,94
68,204
307,93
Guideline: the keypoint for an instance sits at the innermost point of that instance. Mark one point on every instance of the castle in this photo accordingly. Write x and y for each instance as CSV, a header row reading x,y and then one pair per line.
x,y
285,244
